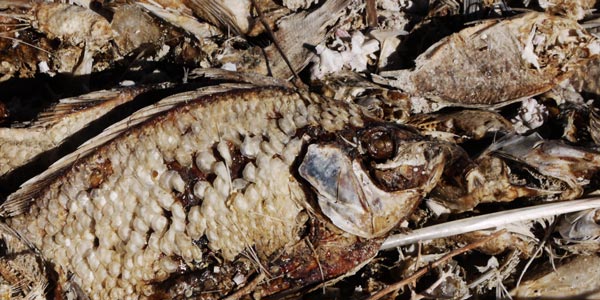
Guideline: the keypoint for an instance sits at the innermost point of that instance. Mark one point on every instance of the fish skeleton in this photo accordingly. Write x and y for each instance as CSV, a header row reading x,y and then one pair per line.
x,y
224,191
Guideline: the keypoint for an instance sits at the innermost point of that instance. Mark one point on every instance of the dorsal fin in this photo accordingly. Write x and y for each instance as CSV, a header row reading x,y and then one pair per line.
x,y
72,105
182,18
517,145
55,126
235,76
19,201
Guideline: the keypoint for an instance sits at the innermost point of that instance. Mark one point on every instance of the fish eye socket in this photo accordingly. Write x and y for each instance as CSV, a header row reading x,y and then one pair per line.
x,y
379,144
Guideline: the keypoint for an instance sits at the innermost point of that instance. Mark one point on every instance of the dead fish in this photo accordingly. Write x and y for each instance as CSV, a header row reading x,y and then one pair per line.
x,y
487,179
223,191
574,9
517,167
20,145
574,166
82,32
55,38
479,66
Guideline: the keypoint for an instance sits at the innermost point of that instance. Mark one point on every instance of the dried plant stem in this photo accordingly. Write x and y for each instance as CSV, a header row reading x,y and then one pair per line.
x,y
489,221
371,9
248,288
263,21
25,43
398,285
539,249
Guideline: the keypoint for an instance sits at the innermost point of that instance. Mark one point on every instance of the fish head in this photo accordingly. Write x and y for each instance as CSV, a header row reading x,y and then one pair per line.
x,y
369,184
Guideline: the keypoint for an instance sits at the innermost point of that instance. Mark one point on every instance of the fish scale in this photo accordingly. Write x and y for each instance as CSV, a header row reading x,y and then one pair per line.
x,y
133,229
82,229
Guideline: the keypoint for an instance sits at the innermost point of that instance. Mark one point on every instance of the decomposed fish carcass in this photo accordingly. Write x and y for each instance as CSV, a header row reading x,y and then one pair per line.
x,y
53,38
79,32
574,167
487,179
220,191
480,65
517,167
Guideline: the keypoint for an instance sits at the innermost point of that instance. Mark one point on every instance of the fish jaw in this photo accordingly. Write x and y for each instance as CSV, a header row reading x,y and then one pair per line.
x,y
366,198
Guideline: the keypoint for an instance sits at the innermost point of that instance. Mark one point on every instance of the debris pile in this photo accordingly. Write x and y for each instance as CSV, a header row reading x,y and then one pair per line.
x,y
301,149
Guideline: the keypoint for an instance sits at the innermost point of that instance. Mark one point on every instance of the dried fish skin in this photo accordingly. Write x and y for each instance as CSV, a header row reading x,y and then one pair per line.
x,y
579,226
587,77
579,232
574,9
73,24
230,15
197,179
536,50
132,28
487,179
462,125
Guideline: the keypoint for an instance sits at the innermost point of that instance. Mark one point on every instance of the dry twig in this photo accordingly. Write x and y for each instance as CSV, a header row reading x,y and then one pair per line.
x,y
371,9
264,22
246,289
